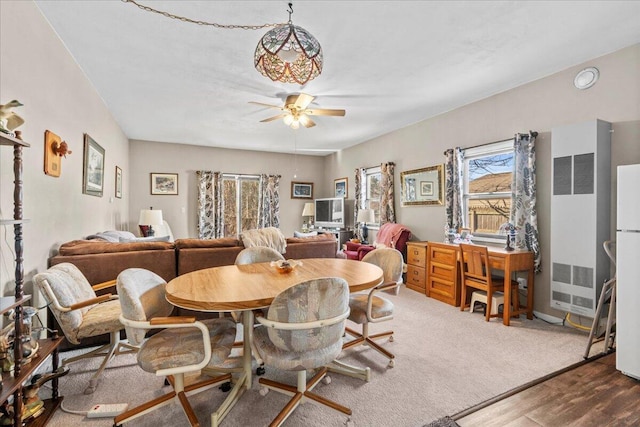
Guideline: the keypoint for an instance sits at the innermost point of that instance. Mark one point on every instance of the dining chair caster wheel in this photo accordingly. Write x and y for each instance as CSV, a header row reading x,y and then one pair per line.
x,y
326,380
263,391
225,387
260,370
93,384
392,363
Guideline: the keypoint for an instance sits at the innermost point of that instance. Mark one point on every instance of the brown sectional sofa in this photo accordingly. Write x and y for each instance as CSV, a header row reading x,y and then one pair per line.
x,y
101,261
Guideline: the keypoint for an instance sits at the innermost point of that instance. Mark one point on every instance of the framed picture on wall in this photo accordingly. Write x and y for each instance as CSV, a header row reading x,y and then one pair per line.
x,y
93,167
164,183
340,188
301,190
118,182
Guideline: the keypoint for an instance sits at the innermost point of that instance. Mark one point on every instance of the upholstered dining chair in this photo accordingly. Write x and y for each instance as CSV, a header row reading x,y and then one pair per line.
x,y
81,314
476,273
370,307
183,346
257,254
303,332
252,255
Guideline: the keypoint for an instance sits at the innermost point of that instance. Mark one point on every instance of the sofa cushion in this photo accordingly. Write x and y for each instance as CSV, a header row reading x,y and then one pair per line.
x,y
319,237
147,239
207,243
83,247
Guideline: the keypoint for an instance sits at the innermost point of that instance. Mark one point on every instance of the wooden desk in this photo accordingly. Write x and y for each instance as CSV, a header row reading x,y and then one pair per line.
x,y
440,260
247,287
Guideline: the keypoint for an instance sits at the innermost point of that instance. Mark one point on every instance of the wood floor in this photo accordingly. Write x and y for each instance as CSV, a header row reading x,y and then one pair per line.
x,y
593,394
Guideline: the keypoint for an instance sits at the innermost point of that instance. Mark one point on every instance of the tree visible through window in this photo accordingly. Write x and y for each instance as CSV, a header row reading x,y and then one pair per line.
x,y
487,187
240,197
373,191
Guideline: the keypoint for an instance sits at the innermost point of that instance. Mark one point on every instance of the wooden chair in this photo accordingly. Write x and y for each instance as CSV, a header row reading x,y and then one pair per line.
x,y
475,272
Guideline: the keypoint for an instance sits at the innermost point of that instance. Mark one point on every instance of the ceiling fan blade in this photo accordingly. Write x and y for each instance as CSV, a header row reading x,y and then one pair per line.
x,y
265,105
270,119
306,121
325,112
303,101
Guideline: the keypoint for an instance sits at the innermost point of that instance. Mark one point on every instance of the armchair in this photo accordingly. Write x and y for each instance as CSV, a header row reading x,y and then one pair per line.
x,y
81,314
183,345
390,235
303,332
370,307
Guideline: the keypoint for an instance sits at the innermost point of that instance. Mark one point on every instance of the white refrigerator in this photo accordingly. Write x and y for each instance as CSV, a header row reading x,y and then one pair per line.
x,y
628,271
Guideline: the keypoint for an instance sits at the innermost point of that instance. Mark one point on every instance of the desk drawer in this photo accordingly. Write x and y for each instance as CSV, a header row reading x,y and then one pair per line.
x,y
415,277
443,271
416,255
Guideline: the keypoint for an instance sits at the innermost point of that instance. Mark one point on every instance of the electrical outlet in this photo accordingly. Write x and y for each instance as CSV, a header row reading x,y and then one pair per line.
x,y
522,283
107,410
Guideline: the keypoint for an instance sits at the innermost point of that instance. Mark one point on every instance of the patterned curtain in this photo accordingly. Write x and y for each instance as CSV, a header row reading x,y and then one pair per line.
x,y
210,205
359,201
269,201
523,195
453,189
387,199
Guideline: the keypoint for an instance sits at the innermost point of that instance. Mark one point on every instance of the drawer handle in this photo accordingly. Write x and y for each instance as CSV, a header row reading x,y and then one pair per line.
x,y
415,273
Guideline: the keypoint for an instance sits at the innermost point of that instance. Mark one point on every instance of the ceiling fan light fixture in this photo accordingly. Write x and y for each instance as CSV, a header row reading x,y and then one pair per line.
x,y
288,119
295,124
289,54
304,120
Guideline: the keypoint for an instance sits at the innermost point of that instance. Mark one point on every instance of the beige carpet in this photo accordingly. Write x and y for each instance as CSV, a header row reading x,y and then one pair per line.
x,y
446,361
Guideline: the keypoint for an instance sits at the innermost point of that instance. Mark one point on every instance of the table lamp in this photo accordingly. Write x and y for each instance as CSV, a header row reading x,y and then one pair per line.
x,y
365,216
308,211
150,217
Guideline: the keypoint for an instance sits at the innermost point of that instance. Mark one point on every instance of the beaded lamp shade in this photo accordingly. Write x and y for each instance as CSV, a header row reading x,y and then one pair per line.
x,y
289,54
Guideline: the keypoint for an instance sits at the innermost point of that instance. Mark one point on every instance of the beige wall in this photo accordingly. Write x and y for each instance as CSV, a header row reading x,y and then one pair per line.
x,y
181,211
36,69
540,106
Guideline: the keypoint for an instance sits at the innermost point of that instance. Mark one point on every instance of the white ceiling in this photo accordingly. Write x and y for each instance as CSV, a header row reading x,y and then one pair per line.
x,y
388,63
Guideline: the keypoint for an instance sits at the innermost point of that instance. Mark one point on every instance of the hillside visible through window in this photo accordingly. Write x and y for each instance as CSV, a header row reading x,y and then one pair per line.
x,y
489,192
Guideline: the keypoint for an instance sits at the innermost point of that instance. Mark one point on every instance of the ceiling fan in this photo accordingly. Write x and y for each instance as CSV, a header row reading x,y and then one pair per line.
x,y
295,111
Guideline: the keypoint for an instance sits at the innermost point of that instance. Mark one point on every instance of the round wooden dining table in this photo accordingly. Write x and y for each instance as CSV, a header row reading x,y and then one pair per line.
x,y
233,288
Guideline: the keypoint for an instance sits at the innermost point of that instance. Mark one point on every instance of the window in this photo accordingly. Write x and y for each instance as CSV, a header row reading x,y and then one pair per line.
x,y
488,172
373,191
240,197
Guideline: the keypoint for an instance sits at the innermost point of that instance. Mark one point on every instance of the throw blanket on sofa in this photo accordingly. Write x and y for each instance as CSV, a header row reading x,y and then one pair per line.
x,y
270,237
389,234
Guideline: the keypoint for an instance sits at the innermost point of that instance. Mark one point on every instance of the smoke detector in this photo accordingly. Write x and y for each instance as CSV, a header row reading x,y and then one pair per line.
x,y
586,78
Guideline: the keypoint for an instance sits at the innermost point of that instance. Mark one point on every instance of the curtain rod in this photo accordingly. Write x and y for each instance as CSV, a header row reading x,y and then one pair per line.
x,y
531,132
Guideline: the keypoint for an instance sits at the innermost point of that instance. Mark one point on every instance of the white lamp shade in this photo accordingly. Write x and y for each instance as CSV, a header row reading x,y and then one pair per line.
x,y
366,216
309,209
150,217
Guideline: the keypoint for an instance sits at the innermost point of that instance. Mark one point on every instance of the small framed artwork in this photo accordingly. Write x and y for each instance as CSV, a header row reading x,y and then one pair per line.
x,y
118,182
340,187
426,188
301,190
164,183
93,168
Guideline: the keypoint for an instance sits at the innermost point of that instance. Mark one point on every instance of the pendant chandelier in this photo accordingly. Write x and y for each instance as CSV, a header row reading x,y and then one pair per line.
x,y
289,54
